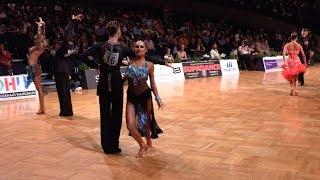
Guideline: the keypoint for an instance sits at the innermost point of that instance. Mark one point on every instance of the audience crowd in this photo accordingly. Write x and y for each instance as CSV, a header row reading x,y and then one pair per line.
x,y
166,34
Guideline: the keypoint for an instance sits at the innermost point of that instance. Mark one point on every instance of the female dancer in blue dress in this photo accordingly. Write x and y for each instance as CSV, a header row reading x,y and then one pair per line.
x,y
139,109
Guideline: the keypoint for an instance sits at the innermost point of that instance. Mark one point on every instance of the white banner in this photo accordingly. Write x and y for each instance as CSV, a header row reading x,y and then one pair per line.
x,y
229,67
13,87
166,74
273,63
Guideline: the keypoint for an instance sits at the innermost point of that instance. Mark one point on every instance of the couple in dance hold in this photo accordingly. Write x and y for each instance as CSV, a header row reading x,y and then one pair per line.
x,y
293,66
139,107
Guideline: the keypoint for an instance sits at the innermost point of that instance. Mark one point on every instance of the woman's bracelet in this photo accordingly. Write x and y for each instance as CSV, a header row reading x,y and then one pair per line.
x,y
158,99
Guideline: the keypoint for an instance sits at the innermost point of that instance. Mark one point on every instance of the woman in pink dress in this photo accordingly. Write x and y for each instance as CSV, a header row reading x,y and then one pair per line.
x,y
293,66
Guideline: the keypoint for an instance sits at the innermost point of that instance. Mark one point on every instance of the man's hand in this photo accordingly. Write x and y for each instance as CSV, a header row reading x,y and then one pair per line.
x,y
90,58
78,17
126,61
41,22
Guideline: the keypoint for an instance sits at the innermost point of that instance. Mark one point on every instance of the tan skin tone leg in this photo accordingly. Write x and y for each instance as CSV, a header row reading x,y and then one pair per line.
x,y
37,83
132,127
295,92
33,59
148,131
292,86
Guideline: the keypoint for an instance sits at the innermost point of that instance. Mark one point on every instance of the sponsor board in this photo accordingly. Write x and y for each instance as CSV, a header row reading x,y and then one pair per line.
x,y
13,87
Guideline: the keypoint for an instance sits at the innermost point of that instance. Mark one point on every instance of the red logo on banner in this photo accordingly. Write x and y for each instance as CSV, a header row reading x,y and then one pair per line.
x,y
10,84
206,67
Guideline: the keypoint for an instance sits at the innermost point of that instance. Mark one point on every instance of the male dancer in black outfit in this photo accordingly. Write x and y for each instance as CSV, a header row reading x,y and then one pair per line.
x,y
308,44
110,85
61,71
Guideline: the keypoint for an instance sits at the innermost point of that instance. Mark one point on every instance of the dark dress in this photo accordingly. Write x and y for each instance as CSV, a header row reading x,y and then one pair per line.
x,y
139,94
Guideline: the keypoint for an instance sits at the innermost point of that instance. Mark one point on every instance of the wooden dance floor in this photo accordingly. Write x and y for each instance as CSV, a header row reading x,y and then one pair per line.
x,y
245,127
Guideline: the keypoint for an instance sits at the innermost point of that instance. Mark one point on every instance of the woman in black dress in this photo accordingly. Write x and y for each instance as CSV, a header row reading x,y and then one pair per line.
x,y
139,109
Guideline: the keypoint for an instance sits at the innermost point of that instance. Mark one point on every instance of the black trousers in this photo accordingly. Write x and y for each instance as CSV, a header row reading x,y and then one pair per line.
x,y
110,91
301,78
63,90
301,75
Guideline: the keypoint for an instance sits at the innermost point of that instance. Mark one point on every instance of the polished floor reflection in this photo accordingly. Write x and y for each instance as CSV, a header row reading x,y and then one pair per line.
x,y
245,127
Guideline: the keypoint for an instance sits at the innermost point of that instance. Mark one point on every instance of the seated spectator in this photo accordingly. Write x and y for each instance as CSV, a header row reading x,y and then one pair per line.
x,y
2,14
175,47
168,56
5,61
205,37
266,48
2,29
149,44
214,53
192,46
244,53
200,47
181,54
262,47
184,40
244,48
254,58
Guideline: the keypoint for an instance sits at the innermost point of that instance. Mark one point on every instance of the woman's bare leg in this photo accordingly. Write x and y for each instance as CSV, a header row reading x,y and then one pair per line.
x,y
292,87
148,131
132,127
295,86
37,83
148,135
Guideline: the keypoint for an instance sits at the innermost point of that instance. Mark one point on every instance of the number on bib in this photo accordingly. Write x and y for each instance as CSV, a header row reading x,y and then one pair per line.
x,y
110,58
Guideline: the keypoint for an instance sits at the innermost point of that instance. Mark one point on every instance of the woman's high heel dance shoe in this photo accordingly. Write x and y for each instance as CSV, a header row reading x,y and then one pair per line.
x,y
142,151
291,92
149,143
41,111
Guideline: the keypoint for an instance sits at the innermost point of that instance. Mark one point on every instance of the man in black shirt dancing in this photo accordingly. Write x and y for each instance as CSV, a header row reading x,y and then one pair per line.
x,y
110,86
308,44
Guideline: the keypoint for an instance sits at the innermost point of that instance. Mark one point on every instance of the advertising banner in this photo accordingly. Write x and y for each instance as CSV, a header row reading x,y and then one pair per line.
x,y
201,69
229,67
13,87
273,63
